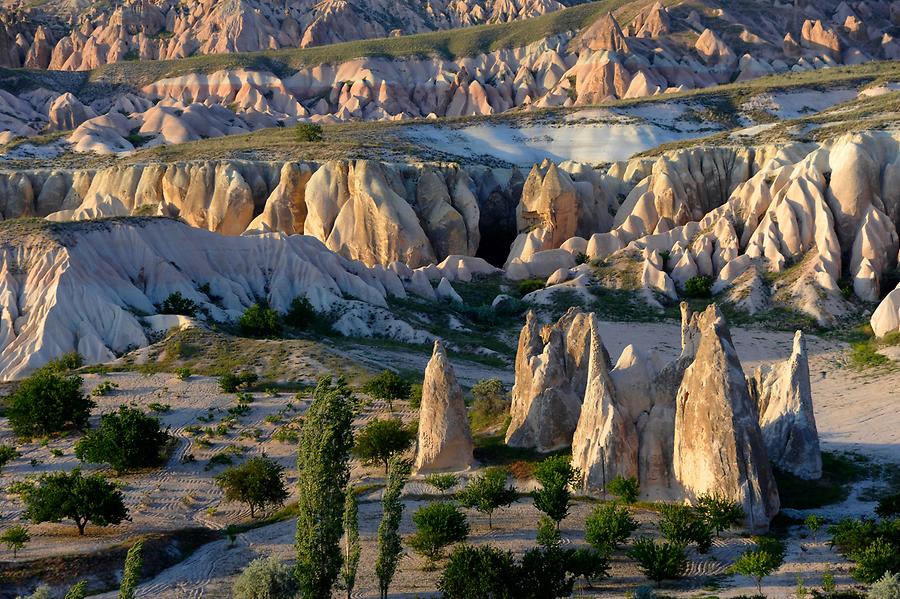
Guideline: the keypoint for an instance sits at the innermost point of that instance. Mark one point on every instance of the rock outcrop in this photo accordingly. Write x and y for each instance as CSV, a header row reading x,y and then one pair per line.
x,y
784,402
445,442
551,377
719,447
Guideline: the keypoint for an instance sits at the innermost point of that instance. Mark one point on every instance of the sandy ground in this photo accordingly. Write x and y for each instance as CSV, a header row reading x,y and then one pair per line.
x,y
855,411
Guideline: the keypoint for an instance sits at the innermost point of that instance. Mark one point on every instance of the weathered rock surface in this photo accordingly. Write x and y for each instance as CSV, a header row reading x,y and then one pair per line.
x,y
445,442
784,401
719,447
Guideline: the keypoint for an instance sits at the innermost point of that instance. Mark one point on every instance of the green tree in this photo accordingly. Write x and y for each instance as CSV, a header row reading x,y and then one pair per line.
x,y
15,538
265,578
442,481
131,576
608,526
478,572
126,440
380,440
351,541
308,132
176,303
556,475
258,482
813,523
490,405
876,559
387,386
301,315
259,320
659,561
47,402
625,489
72,496
77,590
547,533
7,454
543,573
682,525
438,525
757,564
719,512
390,547
589,564
487,492
699,286
323,466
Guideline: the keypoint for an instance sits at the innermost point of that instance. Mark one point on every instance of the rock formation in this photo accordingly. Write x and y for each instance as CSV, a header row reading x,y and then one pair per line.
x,y
445,442
551,377
784,403
719,447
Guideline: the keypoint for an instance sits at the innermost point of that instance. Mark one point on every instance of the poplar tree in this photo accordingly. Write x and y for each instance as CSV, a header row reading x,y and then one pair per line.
x,y
390,546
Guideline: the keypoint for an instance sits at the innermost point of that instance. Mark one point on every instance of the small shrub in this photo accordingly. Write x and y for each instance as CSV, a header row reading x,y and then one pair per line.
x,y
308,132
415,396
699,286
64,363
543,573
528,285
178,304
7,454
489,406
626,490
159,408
15,538
813,523
547,533
438,525
487,492
888,506
608,526
230,383
865,355
183,373
265,579
659,561
443,482
682,525
104,388
260,320
886,587
875,560
301,315
757,564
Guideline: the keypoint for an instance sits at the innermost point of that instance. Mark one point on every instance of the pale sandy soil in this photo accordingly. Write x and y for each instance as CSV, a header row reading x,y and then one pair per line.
x,y
855,411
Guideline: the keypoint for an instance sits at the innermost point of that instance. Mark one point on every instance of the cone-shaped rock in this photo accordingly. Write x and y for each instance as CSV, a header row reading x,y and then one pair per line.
x,y
718,442
445,441
605,444
784,400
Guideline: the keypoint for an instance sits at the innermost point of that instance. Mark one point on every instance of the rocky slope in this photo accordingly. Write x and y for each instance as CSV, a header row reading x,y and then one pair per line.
x,y
659,50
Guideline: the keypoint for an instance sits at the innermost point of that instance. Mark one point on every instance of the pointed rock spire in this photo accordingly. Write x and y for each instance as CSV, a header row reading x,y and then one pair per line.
x,y
784,400
445,441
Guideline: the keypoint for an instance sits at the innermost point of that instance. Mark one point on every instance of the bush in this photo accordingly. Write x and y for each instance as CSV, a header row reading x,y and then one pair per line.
x,y
608,526
626,489
888,506
813,523
15,538
64,363
301,315
178,304
589,564
699,286
104,388
659,561
7,454
438,525
487,492
875,560
308,132
719,512
489,406
681,525
757,564
230,383
125,440
443,482
547,534
380,440
260,320
528,285
47,402
415,396
265,579
387,386
75,497
886,587
543,573
258,482
482,572
555,474
183,373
